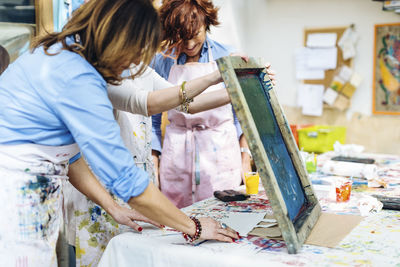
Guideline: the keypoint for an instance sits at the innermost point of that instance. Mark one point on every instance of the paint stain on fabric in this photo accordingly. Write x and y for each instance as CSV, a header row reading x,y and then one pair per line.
x,y
42,182
83,224
95,228
266,244
79,251
364,262
38,207
111,220
78,213
43,186
93,242
94,213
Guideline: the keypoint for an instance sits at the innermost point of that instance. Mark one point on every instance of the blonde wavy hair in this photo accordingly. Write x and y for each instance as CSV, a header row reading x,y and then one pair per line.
x,y
112,33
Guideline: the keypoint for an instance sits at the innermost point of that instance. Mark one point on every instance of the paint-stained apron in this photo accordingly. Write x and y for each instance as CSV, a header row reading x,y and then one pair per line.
x,y
200,151
89,226
31,202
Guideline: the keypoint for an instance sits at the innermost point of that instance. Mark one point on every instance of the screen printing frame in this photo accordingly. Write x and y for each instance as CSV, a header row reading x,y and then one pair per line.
x,y
294,231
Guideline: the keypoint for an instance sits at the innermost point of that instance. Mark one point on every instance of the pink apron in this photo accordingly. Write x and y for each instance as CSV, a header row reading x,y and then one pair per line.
x,y
200,152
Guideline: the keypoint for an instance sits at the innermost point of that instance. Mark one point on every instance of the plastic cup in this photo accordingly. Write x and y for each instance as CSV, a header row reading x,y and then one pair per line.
x,y
343,190
252,180
311,163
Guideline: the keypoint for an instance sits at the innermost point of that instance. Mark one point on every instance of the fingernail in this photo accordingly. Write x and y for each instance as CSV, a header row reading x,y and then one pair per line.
x,y
233,239
162,226
140,229
238,235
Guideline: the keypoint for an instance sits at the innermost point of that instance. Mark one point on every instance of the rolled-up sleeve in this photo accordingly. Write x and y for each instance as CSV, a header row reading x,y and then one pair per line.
x,y
128,97
75,158
88,114
159,82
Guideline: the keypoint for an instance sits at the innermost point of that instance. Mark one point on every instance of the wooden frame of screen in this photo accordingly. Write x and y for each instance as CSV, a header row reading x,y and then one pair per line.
x,y
293,232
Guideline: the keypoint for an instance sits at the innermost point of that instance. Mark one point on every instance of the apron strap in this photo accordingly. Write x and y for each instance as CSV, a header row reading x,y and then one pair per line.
x,y
196,162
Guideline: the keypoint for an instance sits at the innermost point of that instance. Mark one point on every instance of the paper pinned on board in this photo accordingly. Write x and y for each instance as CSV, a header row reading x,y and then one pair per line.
x,y
330,96
348,42
321,40
302,71
311,63
307,74
310,98
322,58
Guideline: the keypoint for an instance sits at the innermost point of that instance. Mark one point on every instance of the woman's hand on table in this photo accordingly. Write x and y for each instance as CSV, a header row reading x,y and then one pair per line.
x,y
212,229
127,217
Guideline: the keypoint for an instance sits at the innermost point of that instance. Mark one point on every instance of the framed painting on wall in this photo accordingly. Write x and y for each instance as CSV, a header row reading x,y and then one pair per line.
x,y
386,72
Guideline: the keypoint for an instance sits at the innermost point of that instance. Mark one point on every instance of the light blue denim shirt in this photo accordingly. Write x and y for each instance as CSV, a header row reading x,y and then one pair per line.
x,y
162,65
62,99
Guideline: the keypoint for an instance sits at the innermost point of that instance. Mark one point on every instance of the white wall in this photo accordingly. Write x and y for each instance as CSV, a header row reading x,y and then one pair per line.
x,y
273,29
231,29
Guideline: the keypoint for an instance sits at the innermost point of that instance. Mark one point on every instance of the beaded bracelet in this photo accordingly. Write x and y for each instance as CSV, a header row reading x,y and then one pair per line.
x,y
197,233
185,100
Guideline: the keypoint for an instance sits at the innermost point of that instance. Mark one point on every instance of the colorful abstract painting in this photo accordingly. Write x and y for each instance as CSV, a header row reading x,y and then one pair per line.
x,y
386,83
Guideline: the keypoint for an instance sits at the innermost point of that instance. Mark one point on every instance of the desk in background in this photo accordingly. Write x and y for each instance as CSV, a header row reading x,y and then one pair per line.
x,y
374,242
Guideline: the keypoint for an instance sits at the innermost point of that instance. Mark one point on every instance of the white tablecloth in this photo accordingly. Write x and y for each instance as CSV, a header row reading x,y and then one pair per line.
x,y
374,242
131,249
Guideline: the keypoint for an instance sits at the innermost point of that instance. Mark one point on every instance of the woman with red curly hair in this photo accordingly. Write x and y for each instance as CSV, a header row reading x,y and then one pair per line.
x,y
201,152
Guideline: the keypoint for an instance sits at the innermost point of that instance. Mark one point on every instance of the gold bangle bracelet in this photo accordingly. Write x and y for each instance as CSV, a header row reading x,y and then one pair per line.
x,y
180,95
185,100
183,90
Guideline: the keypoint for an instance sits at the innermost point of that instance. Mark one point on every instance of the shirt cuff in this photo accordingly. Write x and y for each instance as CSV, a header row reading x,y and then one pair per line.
x,y
132,186
75,158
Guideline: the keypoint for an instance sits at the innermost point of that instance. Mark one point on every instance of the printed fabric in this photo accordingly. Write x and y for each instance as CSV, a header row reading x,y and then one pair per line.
x,y
31,195
90,227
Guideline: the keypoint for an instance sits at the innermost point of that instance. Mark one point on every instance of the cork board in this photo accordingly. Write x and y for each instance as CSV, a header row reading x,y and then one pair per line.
x,y
328,73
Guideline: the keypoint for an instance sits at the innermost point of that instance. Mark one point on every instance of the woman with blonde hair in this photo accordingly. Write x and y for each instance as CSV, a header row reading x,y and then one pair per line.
x,y
54,103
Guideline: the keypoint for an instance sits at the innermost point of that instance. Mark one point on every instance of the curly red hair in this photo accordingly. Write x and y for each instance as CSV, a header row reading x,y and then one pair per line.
x,y
182,20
